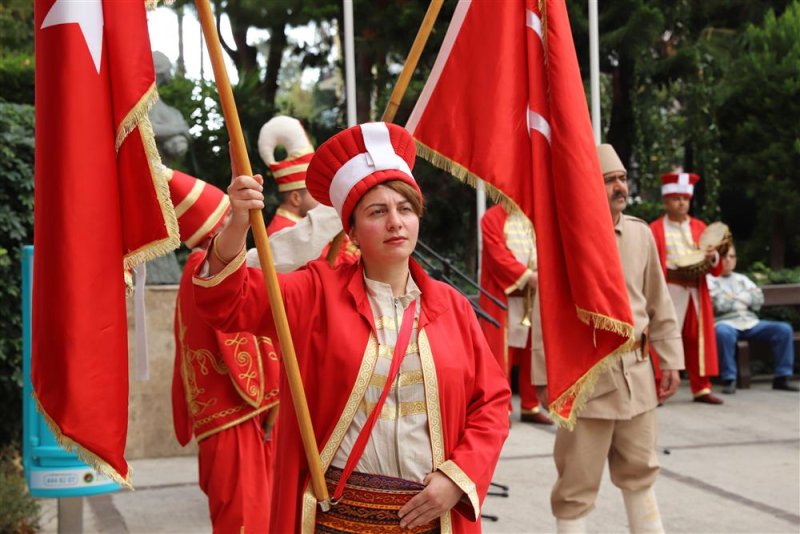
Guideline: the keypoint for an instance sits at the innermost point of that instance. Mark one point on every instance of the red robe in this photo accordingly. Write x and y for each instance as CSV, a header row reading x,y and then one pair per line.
x,y
222,387
707,337
501,273
335,341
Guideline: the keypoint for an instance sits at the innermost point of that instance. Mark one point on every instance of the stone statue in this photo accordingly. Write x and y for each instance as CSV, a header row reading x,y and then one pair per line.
x,y
169,126
172,140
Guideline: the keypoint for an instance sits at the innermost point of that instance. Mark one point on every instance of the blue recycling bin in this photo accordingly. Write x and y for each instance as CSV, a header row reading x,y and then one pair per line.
x,y
50,471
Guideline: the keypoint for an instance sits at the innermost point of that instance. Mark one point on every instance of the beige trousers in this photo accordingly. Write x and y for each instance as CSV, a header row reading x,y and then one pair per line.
x,y
580,456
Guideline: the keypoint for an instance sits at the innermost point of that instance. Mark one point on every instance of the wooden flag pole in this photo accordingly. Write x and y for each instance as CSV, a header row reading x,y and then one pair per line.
x,y
399,90
411,61
241,161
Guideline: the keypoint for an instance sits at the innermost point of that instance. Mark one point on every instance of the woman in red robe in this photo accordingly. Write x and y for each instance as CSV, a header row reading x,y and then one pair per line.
x,y
380,345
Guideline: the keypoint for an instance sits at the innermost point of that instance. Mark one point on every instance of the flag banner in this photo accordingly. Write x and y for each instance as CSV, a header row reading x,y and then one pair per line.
x,y
505,104
101,207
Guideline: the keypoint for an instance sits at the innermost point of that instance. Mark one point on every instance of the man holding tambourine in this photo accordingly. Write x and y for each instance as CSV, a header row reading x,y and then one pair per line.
x,y
688,252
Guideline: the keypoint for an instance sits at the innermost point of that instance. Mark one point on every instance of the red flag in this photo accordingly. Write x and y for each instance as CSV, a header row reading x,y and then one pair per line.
x,y
505,103
101,207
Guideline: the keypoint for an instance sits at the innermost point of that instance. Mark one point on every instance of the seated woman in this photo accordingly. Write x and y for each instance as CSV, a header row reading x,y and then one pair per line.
x,y
407,402
736,300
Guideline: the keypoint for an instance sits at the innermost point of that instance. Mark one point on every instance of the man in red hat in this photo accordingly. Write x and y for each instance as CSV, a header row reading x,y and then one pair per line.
x,y
224,386
290,175
677,235
618,424
509,273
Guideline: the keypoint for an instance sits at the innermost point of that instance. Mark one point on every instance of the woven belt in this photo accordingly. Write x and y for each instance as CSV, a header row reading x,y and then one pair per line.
x,y
369,503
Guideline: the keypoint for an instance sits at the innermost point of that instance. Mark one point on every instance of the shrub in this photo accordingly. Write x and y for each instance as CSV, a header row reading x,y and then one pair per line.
x,y
16,229
19,512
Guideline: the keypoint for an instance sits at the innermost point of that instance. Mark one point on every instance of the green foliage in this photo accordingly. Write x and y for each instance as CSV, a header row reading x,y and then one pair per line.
x,y
19,512
16,229
16,51
763,275
759,111
16,19
16,78
647,210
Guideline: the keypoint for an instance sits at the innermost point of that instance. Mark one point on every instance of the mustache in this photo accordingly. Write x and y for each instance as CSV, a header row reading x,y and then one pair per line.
x,y
619,195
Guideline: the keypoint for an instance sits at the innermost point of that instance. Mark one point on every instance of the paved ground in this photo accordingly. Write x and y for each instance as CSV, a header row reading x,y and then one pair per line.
x,y
731,468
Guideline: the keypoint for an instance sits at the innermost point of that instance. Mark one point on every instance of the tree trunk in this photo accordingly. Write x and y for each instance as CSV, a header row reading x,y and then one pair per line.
x,y
277,44
243,56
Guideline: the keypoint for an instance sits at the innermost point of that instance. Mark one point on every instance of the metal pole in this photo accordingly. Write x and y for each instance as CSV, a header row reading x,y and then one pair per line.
x,y
594,70
70,515
349,63
480,200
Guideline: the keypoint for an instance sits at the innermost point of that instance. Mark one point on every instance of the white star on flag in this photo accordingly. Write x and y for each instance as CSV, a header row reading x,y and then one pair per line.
x,y
88,14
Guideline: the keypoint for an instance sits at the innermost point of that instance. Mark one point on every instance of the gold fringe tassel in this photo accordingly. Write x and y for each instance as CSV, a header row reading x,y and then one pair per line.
x,y
160,176
464,175
90,458
137,118
137,113
604,322
580,392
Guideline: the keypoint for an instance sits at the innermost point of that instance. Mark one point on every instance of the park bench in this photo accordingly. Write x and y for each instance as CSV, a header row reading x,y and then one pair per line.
x,y
774,295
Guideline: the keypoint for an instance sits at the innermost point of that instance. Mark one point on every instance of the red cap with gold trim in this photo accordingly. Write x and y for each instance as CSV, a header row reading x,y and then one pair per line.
x,y
290,174
199,206
351,162
678,183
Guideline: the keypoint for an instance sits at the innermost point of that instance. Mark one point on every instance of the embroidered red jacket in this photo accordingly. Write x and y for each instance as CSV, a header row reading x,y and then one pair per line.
x,y
219,380
467,394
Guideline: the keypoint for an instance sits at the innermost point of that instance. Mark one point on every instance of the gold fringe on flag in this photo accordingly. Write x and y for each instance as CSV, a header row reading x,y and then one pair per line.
x,y
160,176
580,392
137,118
137,113
87,456
464,175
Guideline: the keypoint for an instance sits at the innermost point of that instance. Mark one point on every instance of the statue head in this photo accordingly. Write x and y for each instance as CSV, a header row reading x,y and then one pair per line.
x,y
163,67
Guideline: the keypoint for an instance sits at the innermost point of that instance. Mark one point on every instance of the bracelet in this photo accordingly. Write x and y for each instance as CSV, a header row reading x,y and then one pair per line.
x,y
217,255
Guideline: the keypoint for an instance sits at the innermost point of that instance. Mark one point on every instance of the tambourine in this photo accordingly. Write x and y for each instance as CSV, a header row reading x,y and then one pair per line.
x,y
716,235
690,267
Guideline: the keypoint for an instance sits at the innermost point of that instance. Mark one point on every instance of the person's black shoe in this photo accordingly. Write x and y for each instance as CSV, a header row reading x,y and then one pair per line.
x,y
729,387
781,383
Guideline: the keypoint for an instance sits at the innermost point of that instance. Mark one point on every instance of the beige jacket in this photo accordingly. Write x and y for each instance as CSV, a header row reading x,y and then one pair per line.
x,y
629,388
